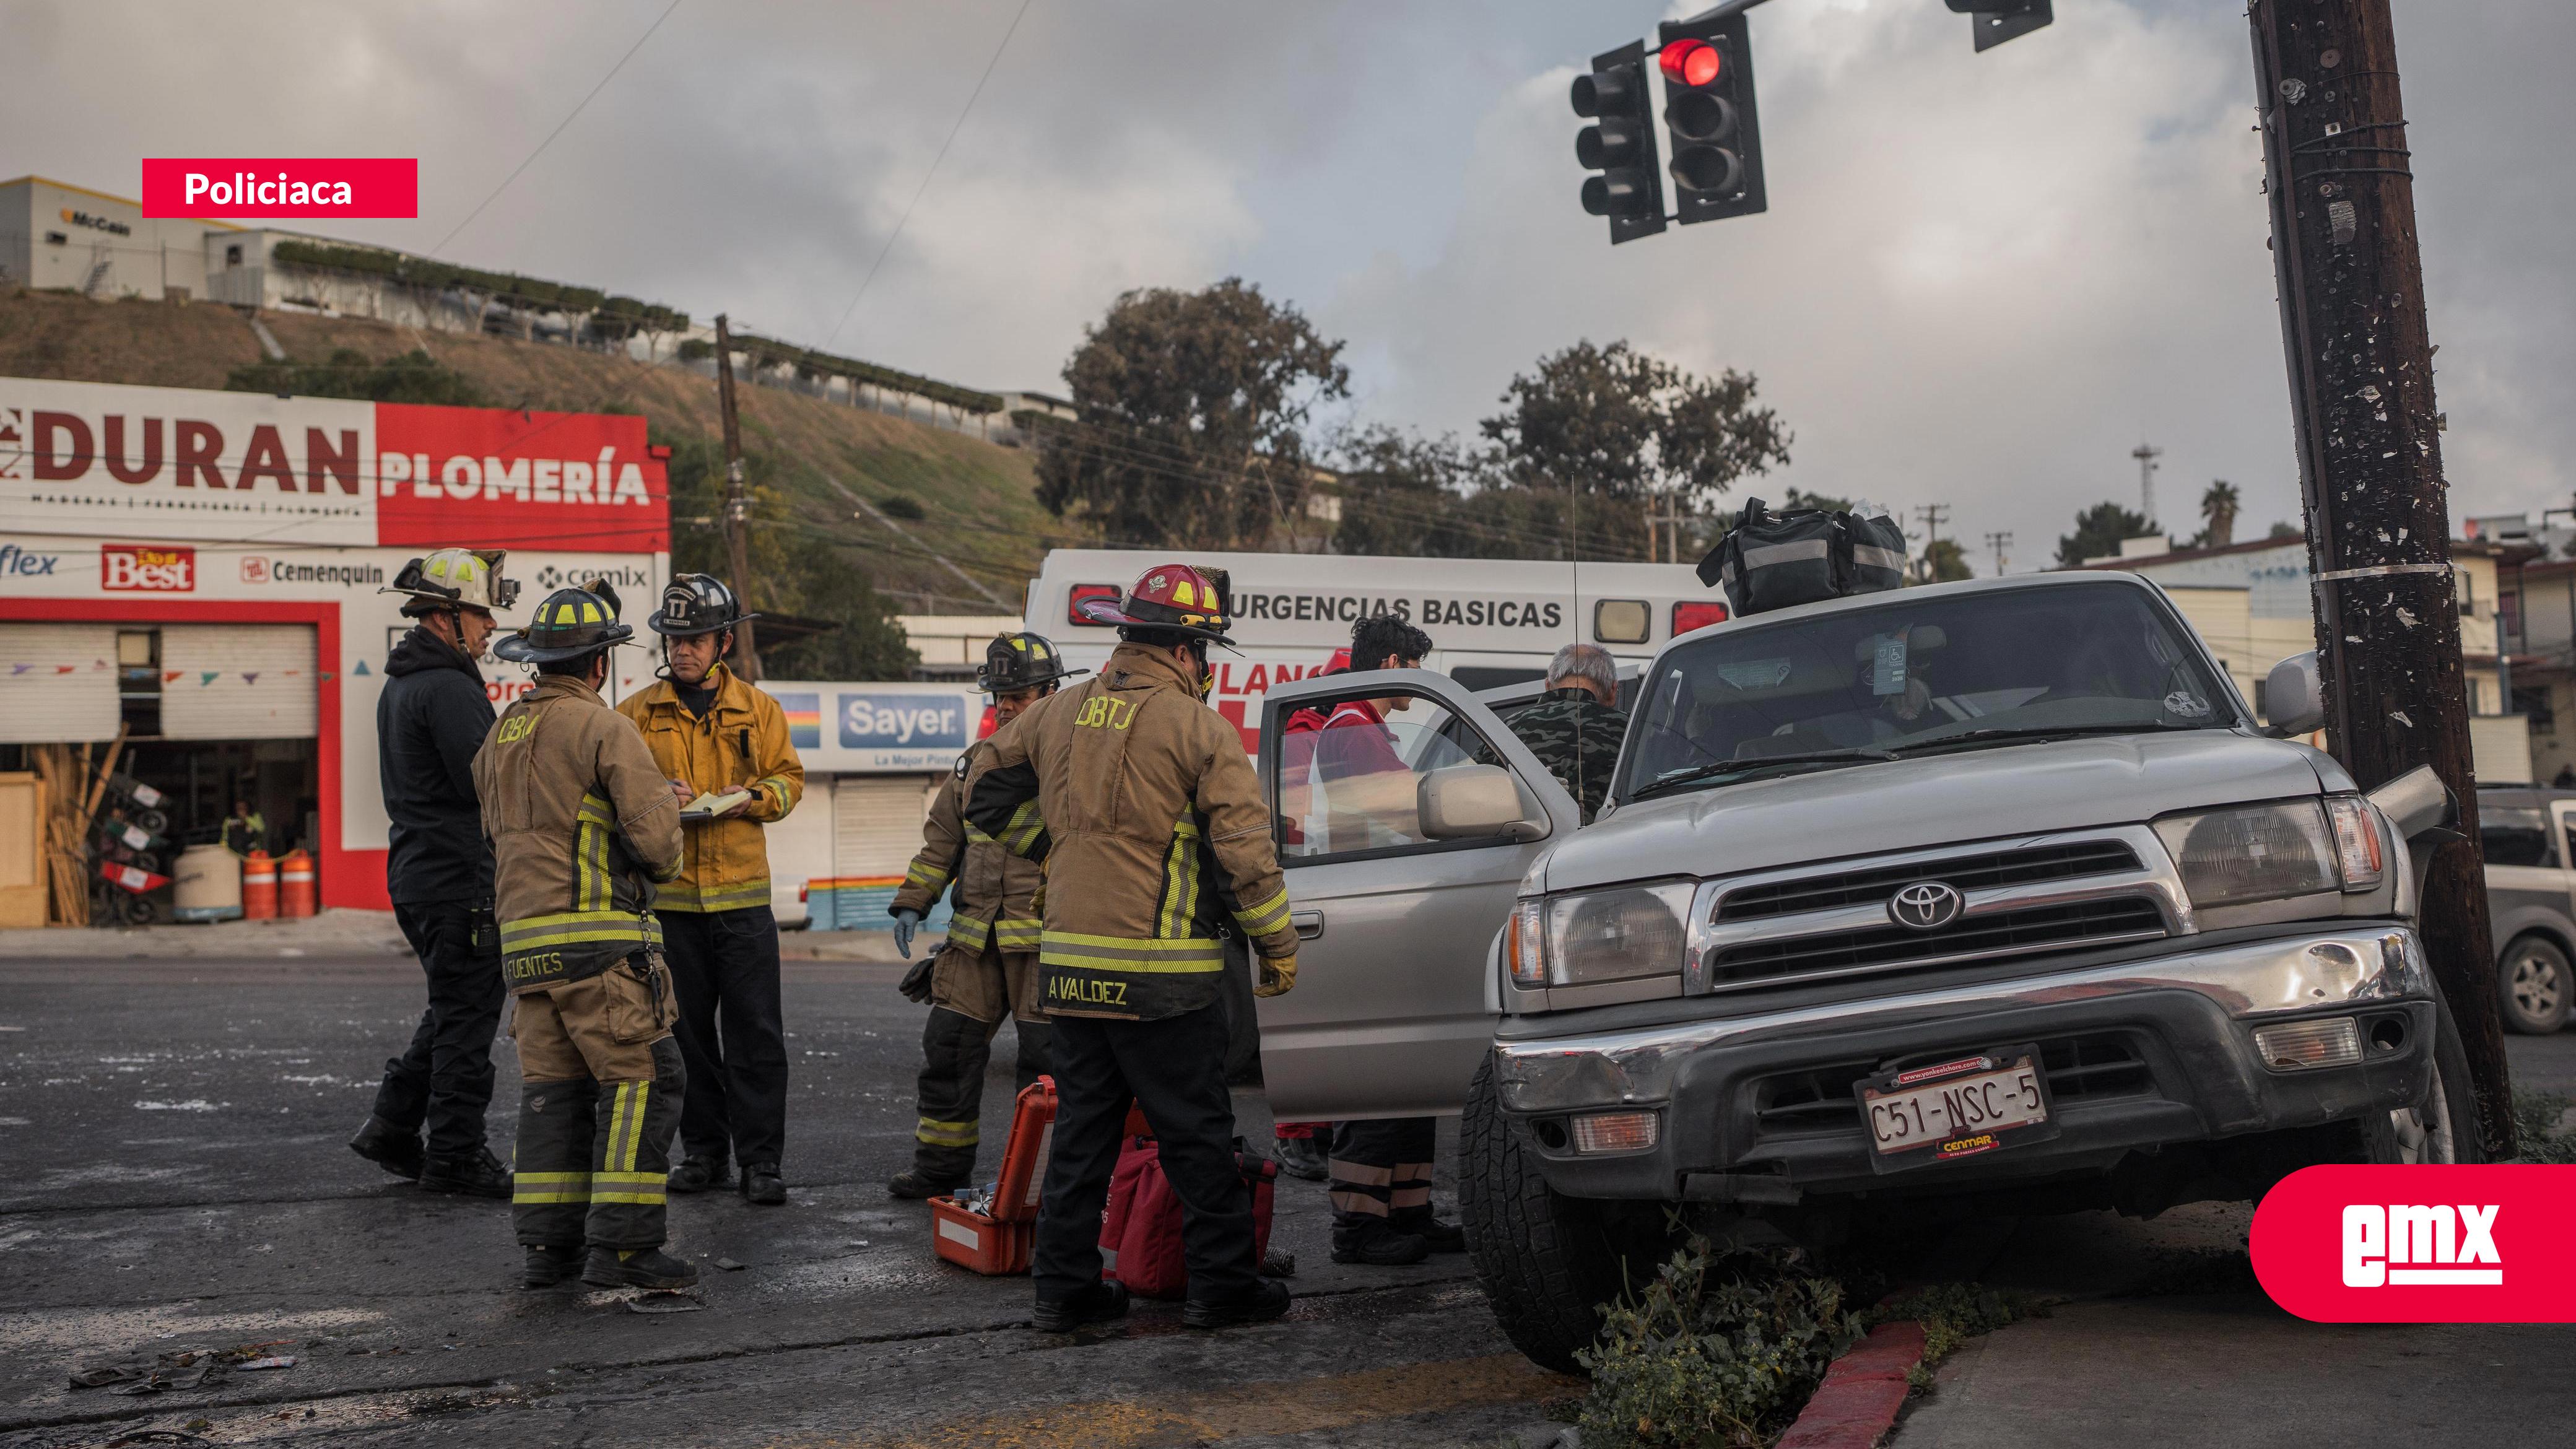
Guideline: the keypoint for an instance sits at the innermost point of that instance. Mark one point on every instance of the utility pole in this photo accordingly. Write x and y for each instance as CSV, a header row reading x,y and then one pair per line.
x,y
2147,453
1933,516
1999,541
737,509
2351,282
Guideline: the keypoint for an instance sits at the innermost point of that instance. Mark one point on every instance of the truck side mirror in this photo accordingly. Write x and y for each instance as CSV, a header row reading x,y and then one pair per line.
x,y
2294,695
2416,802
1472,802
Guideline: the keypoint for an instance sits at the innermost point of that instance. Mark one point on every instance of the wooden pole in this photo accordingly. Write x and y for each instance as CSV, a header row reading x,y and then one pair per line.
x,y
2351,280
737,509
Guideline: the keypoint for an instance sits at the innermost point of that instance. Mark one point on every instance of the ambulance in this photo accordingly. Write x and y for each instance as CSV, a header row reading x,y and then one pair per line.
x,y
1493,622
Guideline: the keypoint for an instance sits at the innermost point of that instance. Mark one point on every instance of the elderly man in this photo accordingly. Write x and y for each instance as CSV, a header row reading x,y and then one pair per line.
x,y
1575,728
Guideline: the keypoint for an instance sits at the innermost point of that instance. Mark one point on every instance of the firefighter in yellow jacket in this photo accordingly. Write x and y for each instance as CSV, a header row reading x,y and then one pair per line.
x,y
582,825
723,744
989,967
1139,799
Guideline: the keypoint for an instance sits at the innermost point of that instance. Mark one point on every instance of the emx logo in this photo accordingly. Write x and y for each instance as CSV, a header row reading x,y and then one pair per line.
x,y
2419,1244
150,568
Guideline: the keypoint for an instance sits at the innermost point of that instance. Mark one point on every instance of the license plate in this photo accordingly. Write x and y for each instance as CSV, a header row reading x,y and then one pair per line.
x,y
1958,1108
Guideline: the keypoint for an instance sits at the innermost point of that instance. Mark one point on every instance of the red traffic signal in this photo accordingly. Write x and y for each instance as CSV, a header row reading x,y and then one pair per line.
x,y
1691,62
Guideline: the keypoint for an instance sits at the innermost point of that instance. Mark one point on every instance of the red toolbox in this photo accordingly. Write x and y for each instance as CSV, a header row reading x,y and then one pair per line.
x,y
994,1236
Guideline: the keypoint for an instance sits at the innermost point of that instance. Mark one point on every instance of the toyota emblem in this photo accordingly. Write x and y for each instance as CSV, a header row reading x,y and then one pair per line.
x,y
1926,905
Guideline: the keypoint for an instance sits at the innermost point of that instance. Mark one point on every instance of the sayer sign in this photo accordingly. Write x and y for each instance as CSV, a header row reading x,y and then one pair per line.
x,y
104,459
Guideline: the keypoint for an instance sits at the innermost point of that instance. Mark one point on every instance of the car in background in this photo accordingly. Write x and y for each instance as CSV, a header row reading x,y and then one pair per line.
x,y
2530,839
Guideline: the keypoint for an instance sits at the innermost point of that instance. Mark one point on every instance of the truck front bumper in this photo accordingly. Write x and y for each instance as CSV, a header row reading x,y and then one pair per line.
x,y
2140,1054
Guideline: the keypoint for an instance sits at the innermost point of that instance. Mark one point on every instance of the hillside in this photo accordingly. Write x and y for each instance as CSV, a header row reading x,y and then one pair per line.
x,y
977,497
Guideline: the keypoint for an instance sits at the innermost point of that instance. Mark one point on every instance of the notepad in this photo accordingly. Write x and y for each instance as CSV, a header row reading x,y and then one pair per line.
x,y
705,807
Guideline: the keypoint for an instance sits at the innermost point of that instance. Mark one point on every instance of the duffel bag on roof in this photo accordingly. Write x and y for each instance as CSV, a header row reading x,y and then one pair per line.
x,y
1803,556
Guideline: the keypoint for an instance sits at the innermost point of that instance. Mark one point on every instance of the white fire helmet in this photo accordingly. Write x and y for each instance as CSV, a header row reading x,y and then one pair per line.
x,y
467,578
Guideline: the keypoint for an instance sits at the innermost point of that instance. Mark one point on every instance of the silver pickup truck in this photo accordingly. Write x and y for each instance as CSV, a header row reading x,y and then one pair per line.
x,y
1984,893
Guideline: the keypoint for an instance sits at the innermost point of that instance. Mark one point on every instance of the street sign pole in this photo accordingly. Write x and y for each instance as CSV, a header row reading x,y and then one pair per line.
x,y
2351,283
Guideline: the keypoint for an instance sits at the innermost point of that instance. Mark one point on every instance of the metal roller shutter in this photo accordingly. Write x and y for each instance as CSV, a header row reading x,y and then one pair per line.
x,y
57,683
876,823
237,682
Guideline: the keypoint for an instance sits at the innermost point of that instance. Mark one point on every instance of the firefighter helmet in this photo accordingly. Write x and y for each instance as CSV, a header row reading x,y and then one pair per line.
x,y
1015,662
1175,598
455,578
696,604
570,624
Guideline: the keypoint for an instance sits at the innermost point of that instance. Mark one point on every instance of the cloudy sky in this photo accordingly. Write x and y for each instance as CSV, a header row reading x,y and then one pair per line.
x,y
1981,282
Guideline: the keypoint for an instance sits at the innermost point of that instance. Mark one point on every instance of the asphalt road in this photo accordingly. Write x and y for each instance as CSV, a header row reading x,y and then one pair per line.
x,y
173,1174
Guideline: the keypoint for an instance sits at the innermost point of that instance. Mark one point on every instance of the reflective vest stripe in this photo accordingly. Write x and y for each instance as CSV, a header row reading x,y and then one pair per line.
x,y
700,899
566,928
1269,916
1123,954
947,1134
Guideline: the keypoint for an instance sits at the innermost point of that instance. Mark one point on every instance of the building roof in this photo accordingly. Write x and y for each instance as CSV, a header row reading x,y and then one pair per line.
x,y
2184,555
110,196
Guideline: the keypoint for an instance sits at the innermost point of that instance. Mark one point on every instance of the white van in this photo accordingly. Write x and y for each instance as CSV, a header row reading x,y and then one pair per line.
x,y
1492,622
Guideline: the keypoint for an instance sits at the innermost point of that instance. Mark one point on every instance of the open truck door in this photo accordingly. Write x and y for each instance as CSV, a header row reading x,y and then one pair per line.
x,y
1404,839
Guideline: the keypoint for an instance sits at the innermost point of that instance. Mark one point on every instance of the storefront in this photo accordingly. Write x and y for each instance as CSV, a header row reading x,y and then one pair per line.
x,y
874,755
201,570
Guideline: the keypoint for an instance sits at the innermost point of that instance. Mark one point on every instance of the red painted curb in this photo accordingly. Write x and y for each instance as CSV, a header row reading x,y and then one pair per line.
x,y
1858,1401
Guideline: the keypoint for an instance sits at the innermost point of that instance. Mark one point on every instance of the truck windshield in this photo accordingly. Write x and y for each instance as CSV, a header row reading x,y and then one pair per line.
x,y
1920,673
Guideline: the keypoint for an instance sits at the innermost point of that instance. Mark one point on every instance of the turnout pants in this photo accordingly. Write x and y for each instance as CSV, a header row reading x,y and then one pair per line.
x,y
443,1081
1174,1069
1381,1175
970,993
602,1083
724,966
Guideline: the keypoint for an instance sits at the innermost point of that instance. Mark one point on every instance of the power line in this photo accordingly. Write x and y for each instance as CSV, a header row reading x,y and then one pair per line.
x,y
1999,541
906,219
558,130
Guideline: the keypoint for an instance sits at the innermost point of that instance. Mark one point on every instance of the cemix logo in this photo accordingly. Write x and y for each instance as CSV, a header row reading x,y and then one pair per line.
x,y
142,568
2420,1244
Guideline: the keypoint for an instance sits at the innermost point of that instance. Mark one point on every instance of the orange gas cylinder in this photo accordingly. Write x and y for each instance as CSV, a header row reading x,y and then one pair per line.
x,y
259,887
295,885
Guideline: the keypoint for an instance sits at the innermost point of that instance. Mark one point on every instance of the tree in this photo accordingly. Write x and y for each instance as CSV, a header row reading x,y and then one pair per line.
x,y
1408,495
1944,562
414,377
2098,531
1628,438
2285,530
2218,513
1191,409
795,569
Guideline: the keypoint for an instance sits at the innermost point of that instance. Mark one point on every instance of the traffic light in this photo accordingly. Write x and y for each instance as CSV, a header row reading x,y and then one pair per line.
x,y
2000,20
1620,144
1709,114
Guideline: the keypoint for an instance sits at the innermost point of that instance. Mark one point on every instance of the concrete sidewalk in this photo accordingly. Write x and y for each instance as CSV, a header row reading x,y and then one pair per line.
x,y
343,934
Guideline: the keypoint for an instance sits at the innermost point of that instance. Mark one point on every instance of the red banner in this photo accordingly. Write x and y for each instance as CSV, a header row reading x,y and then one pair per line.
x,y
2424,1244
498,478
372,186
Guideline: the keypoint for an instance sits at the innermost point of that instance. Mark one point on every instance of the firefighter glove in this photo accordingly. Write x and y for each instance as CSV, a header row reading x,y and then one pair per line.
x,y
906,921
916,982
1278,974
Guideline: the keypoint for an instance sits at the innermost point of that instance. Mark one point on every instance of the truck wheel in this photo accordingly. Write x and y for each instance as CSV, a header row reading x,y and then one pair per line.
x,y
2444,1128
1547,1262
2536,986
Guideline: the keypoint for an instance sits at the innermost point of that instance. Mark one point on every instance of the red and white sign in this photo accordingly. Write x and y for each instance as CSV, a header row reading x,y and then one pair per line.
x,y
147,568
2422,1244
103,459
337,186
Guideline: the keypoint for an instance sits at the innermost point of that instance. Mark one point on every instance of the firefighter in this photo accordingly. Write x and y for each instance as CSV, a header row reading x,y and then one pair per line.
x,y
988,969
430,720
1140,802
582,824
714,735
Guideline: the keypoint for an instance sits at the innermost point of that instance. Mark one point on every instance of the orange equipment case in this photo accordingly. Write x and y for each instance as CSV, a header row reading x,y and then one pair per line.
x,y
998,1240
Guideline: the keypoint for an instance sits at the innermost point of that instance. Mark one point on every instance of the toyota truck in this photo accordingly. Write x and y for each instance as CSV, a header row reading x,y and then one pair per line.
x,y
1990,895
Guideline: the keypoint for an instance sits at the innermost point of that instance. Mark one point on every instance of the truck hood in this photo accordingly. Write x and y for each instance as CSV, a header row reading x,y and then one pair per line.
x,y
1871,808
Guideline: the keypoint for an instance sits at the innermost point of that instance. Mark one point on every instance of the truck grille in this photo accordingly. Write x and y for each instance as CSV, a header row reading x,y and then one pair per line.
x,y
1827,1099
1871,885
2000,933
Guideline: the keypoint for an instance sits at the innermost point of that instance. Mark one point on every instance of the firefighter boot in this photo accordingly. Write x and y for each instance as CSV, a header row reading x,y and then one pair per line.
x,y
1377,1245
762,1186
548,1265
700,1174
1097,1302
637,1268
389,1147
1261,1305
478,1175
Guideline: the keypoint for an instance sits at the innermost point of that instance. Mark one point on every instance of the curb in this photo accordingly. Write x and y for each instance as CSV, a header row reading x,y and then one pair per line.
x,y
1863,1391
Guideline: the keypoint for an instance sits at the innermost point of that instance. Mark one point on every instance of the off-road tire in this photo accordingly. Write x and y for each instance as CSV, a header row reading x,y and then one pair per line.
x,y
2453,1133
2535,986
1547,1262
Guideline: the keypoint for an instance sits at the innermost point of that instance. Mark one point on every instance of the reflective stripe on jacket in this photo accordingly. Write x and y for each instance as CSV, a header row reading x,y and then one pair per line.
x,y
1138,798
582,824
740,743
996,891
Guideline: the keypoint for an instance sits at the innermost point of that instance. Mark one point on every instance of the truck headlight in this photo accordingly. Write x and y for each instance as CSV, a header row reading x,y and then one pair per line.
x,y
2253,852
1611,935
